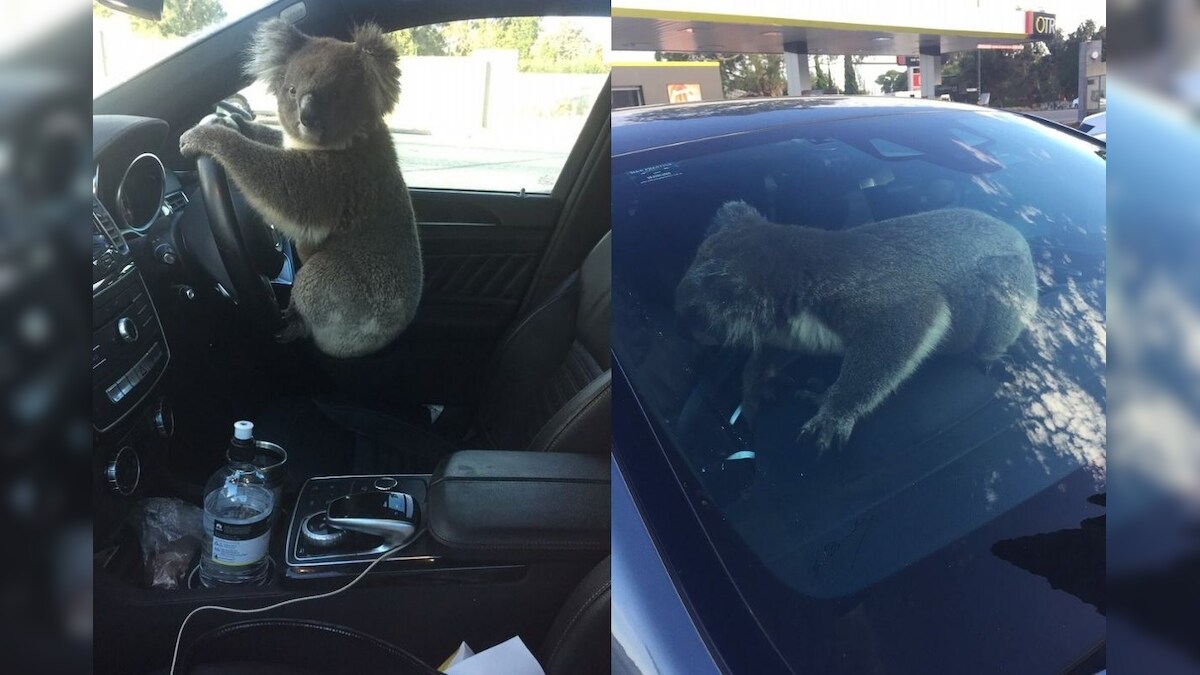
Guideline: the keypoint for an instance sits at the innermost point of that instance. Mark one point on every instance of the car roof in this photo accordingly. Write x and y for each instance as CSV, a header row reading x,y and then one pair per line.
x,y
642,128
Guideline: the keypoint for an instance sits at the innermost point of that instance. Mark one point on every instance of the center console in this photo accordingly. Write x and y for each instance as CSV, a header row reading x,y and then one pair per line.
x,y
498,541
316,547
129,352
480,509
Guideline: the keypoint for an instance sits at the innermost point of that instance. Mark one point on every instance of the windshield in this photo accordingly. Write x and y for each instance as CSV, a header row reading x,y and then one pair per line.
x,y
958,446
125,45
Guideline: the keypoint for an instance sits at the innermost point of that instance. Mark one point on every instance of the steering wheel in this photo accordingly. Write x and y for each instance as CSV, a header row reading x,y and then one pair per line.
x,y
246,245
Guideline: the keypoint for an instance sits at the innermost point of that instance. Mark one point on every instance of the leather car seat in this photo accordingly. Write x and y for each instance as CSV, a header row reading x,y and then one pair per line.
x,y
550,383
548,388
577,643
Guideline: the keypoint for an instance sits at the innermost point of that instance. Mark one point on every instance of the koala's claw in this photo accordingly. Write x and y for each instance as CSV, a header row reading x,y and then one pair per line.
x,y
827,431
294,327
202,139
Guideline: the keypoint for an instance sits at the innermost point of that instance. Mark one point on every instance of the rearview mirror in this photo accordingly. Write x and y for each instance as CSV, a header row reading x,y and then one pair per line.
x,y
146,9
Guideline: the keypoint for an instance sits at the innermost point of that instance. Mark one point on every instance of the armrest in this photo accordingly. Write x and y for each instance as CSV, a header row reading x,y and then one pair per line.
x,y
521,506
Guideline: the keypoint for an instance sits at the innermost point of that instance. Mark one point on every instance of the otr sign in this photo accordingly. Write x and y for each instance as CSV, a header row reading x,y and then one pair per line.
x,y
1039,24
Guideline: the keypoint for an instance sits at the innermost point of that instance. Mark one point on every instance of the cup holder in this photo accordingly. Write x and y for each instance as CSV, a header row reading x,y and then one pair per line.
x,y
194,584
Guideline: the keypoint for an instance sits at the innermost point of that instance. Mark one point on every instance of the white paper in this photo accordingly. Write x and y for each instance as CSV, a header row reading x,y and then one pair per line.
x,y
461,654
511,657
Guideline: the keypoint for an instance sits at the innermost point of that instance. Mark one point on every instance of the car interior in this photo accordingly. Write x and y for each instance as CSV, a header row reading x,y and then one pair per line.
x,y
490,413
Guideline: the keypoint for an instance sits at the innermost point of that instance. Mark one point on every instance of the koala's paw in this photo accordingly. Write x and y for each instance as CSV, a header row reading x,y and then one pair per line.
x,y
828,431
294,327
204,139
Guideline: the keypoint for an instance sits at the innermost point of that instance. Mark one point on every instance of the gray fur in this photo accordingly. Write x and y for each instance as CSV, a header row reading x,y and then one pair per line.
x,y
333,187
886,296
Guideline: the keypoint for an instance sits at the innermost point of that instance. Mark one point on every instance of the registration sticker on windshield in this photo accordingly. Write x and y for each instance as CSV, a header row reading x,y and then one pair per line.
x,y
652,174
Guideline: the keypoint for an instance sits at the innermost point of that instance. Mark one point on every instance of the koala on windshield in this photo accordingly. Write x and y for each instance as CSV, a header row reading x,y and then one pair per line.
x,y
885,295
331,182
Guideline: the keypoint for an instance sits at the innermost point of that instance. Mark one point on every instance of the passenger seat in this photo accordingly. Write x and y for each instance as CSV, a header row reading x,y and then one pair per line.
x,y
548,388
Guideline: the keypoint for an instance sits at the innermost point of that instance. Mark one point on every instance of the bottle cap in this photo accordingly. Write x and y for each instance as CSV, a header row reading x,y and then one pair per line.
x,y
243,430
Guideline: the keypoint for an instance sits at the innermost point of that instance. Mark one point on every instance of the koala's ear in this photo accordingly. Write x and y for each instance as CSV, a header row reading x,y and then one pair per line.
x,y
274,43
732,213
379,55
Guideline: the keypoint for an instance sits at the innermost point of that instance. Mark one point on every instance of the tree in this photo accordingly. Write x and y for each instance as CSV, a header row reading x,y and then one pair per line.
x,y
517,33
181,18
755,74
823,79
892,81
750,75
850,76
1038,73
1066,69
566,50
420,41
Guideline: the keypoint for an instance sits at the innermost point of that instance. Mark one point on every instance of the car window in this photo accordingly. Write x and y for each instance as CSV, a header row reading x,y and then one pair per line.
x,y
125,45
490,104
960,442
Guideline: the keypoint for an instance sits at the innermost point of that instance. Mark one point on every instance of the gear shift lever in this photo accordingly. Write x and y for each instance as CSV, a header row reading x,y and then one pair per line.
x,y
394,516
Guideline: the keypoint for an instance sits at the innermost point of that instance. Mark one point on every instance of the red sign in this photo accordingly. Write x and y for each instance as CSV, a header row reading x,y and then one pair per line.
x,y
916,79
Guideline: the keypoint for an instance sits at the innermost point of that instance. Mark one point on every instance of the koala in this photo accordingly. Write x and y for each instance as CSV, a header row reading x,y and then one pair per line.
x,y
330,181
885,296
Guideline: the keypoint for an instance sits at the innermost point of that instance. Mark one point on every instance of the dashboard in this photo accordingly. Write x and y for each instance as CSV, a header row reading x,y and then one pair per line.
x,y
155,264
131,192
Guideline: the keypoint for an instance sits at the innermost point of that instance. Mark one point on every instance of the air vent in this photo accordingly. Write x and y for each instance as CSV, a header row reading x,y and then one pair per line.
x,y
176,201
107,227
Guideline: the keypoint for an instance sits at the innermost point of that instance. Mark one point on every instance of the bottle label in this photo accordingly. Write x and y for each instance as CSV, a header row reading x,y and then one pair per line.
x,y
240,543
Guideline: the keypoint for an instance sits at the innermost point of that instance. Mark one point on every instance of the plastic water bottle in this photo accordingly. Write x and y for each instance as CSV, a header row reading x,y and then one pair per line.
x,y
237,517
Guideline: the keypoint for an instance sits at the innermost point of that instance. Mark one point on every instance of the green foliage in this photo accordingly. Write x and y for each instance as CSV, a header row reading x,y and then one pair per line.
x,y
181,18
850,76
892,81
519,33
823,78
566,50
1031,76
419,41
749,75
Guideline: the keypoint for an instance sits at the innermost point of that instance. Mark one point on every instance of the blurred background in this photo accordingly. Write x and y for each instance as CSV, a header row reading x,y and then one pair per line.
x,y
45,431
1154,315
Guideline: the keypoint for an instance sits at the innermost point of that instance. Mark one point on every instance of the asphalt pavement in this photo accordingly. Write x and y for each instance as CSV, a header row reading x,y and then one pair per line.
x,y
477,164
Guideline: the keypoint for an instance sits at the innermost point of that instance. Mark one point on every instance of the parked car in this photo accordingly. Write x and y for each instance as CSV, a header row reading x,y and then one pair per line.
x,y
189,282
961,528
1094,125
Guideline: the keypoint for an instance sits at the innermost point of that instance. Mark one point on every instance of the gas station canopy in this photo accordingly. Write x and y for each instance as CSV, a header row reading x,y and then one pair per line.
x,y
866,27
800,29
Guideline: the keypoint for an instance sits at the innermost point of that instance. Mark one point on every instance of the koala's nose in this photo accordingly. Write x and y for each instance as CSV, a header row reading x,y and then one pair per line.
x,y
308,111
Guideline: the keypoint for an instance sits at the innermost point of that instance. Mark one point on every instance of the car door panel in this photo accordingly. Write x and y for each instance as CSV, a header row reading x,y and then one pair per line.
x,y
480,251
475,278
